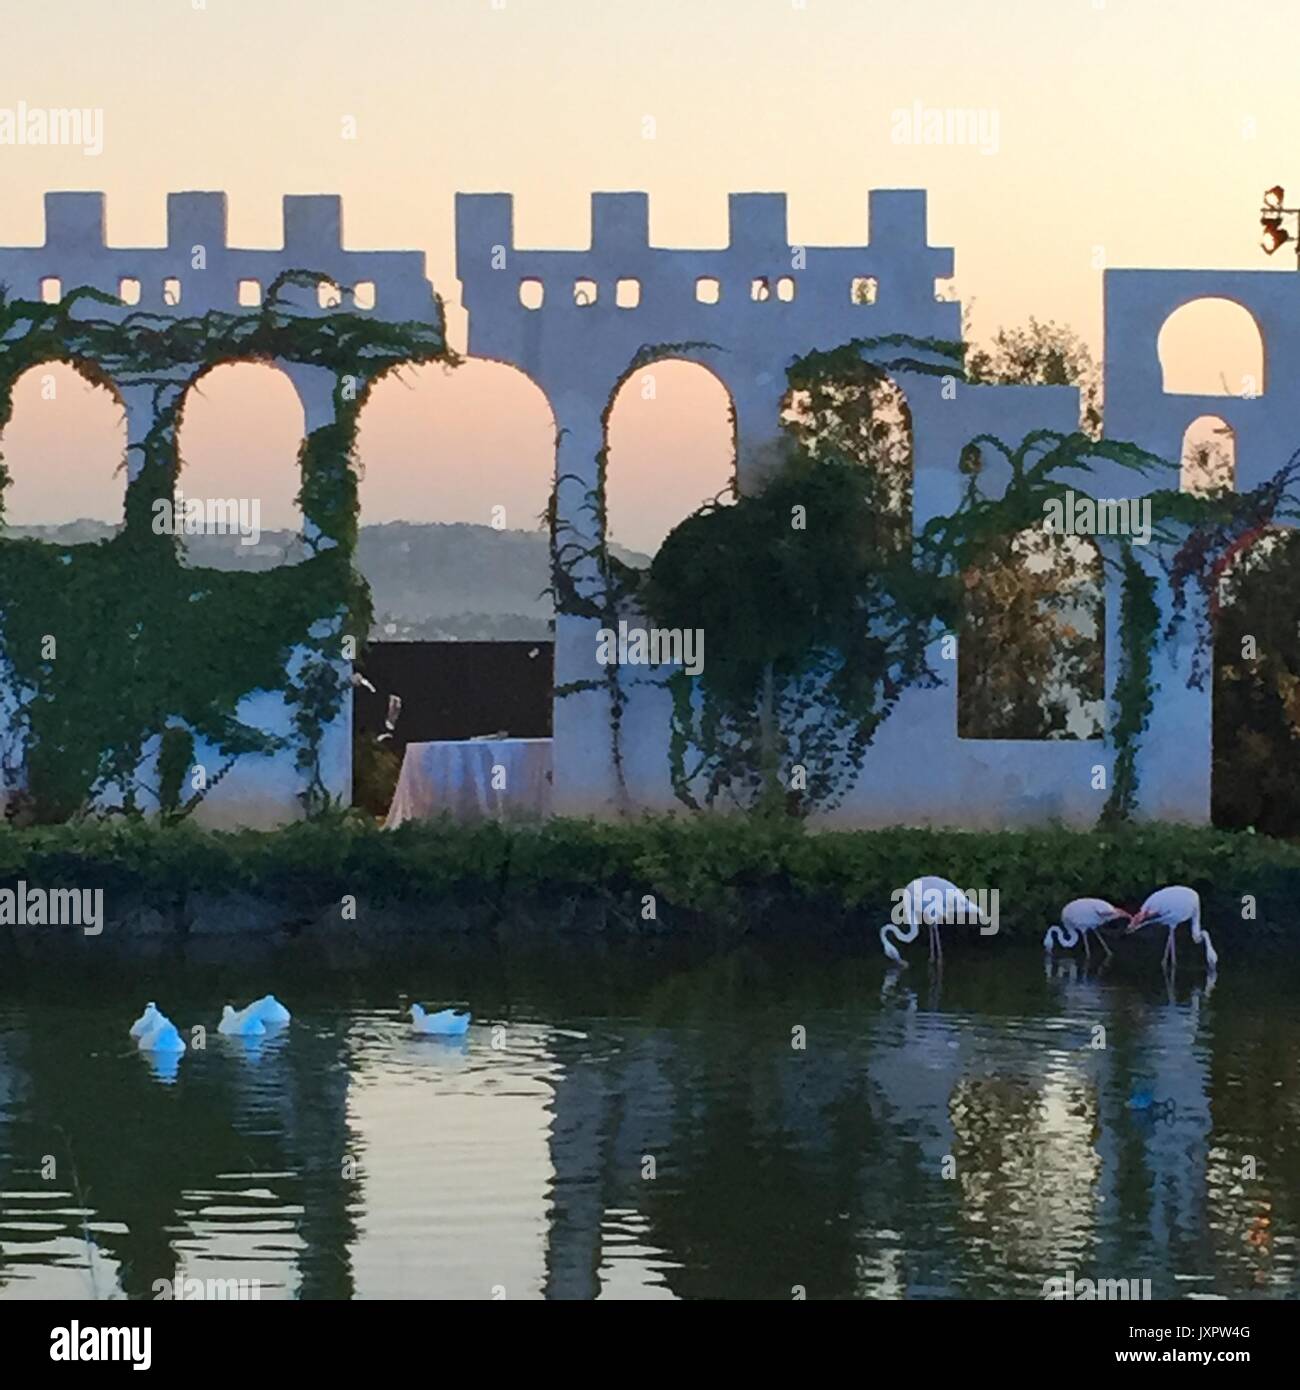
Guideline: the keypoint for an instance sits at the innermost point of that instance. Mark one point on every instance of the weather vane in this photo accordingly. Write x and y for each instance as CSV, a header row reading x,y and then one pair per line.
x,y
1275,234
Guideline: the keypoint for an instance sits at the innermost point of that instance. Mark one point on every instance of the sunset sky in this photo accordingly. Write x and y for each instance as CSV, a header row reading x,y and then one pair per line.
x,y
1146,128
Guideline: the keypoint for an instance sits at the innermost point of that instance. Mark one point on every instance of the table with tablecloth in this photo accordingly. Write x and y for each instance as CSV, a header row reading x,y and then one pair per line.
x,y
473,779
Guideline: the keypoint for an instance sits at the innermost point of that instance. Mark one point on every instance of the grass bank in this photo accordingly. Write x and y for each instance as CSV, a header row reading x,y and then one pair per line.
x,y
703,873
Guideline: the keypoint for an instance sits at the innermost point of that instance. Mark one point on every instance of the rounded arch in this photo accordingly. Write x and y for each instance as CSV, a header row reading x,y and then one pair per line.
x,y
1212,346
1031,660
64,449
456,469
472,444
1209,456
670,446
240,428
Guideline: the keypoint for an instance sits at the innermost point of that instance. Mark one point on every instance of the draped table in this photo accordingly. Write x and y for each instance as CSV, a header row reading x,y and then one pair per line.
x,y
473,779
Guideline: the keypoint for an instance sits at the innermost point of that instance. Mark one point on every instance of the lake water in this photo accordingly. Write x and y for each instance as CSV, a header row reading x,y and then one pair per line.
x,y
632,1121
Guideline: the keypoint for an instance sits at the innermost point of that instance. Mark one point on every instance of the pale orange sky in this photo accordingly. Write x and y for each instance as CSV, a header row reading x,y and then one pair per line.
x,y
1145,128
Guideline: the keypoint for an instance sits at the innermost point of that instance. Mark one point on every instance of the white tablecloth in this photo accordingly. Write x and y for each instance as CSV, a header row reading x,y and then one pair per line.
x,y
458,776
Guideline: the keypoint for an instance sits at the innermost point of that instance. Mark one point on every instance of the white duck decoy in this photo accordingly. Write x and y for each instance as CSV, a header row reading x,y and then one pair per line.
x,y
1081,917
163,1037
269,1010
934,901
446,1023
147,1021
1171,907
241,1024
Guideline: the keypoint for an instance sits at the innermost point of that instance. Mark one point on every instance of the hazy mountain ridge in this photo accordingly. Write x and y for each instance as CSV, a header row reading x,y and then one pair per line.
x,y
430,580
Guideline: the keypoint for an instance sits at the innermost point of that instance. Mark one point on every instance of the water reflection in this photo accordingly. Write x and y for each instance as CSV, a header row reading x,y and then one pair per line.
x,y
637,1123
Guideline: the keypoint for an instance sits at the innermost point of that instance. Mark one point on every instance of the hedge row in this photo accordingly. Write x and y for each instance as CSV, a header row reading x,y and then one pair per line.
x,y
725,870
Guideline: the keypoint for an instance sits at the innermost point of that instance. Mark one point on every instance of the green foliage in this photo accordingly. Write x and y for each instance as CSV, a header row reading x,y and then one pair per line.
x,y
145,644
1257,689
1134,693
728,874
800,609
816,626
175,759
1041,354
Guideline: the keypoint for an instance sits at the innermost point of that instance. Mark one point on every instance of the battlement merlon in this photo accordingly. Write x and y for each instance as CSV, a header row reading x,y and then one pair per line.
x,y
75,252
897,254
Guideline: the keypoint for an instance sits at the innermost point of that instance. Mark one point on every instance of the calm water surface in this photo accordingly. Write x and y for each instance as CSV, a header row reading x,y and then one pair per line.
x,y
641,1122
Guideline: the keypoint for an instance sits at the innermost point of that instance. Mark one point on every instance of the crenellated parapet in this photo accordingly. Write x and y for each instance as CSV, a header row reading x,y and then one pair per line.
x,y
198,270
760,298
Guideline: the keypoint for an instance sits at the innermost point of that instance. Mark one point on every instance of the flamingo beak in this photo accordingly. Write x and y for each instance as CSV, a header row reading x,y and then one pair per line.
x,y
1135,921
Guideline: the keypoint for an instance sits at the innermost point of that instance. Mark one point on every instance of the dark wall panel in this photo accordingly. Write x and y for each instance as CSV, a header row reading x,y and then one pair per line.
x,y
457,689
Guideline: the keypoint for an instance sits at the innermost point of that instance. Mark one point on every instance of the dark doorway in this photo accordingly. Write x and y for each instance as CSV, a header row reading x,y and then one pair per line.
x,y
447,690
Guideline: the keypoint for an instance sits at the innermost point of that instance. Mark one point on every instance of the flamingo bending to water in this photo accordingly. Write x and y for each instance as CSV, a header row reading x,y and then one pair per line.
x,y
1080,917
1171,907
934,901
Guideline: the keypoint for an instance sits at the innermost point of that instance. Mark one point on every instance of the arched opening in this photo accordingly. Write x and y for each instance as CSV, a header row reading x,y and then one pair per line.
x,y
1212,347
862,415
65,450
456,473
241,427
1209,457
1031,660
456,470
1256,757
670,448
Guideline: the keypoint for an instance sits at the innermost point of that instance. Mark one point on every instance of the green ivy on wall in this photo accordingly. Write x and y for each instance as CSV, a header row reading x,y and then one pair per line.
x,y
816,629
111,645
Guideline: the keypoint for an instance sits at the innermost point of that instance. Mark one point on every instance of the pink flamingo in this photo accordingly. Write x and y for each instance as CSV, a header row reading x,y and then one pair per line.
x,y
1080,917
1171,907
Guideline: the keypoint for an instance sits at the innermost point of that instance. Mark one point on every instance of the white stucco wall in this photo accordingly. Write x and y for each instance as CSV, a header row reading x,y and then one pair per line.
x,y
917,771
260,791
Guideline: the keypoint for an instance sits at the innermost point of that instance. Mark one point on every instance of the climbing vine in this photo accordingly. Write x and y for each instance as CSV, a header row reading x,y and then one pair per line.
x,y
820,613
116,647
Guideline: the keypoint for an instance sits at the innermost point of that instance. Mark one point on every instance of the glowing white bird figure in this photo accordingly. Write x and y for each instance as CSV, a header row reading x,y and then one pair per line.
x,y
163,1037
1080,917
932,901
148,1021
1171,907
269,1010
446,1023
241,1024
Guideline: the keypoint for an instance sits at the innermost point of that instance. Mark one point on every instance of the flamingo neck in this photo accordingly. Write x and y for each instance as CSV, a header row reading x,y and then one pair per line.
x,y
1065,937
1197,930
901,937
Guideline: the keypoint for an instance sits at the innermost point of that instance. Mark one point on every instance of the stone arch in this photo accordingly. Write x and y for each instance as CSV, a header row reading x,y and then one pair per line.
x,y
1235,364
1208,458
467,419
654,413
1031,660
55,407
482,438
256,404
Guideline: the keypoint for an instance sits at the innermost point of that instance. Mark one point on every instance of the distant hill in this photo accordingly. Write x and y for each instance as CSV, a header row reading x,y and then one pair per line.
x,y
430,581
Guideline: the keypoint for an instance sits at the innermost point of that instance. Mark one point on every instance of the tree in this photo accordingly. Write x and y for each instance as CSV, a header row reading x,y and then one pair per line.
x,y
1031,658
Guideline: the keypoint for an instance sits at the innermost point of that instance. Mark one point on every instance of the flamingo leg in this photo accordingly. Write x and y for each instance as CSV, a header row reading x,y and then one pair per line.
x,y
1101,940
938,945
1087,954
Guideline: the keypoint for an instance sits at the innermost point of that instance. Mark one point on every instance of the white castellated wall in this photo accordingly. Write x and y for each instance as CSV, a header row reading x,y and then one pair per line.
x,y
577,348
390,285
603,306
